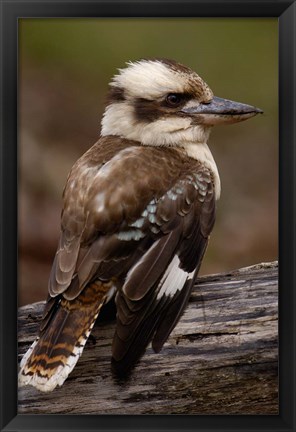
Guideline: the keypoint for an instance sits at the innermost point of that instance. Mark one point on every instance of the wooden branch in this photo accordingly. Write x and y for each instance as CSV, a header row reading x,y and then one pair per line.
x,y
220,359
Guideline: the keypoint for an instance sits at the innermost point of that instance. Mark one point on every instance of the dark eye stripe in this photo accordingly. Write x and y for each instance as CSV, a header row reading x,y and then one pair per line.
x,y
115,94
147,110
150,110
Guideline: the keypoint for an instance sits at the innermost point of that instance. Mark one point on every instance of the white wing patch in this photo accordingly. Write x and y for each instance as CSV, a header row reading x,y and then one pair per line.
x,y
173,279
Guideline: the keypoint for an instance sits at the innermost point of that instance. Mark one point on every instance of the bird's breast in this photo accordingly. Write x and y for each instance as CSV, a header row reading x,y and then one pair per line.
x,y
202,153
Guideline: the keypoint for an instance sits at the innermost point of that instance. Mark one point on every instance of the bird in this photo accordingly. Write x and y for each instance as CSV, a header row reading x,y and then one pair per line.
x,y
138,210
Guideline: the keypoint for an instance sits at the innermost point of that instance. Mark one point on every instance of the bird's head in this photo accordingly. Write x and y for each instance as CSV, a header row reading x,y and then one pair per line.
x,y
161,102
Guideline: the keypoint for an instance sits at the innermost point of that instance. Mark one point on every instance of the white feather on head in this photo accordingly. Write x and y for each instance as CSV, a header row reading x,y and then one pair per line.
x,y
151,79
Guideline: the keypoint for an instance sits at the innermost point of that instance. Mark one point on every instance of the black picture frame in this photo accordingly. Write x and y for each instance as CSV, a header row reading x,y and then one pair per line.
x,y
11,11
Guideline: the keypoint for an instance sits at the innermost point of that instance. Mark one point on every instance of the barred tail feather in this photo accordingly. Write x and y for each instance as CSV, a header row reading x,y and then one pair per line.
x,y
51,358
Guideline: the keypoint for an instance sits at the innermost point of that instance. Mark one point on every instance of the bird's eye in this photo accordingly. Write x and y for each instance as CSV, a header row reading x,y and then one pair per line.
x,y
173,99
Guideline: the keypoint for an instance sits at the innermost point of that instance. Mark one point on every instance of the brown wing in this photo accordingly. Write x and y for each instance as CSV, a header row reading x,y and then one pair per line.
x,y
157,288
107,191
79,227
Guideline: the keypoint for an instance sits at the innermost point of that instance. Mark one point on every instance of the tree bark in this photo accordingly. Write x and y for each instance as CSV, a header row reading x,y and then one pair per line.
x,y
220,359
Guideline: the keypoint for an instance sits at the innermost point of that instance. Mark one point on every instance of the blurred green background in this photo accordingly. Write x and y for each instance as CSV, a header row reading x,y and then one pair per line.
x,y
64,69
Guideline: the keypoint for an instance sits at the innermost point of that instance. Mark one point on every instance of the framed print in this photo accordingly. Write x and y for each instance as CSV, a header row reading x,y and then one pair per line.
x,y
228,363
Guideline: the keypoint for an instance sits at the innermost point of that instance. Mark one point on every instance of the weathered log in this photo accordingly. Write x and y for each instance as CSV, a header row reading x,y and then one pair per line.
x,y
220,359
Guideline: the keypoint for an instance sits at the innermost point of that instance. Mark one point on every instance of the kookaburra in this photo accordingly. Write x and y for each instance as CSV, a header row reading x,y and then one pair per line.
x,y
138,210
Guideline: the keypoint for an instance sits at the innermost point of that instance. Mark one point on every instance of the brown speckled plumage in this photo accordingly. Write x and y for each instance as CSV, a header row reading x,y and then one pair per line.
x,y
90,249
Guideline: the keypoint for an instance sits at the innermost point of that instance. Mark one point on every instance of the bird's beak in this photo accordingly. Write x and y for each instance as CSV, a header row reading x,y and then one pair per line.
x,y
219,111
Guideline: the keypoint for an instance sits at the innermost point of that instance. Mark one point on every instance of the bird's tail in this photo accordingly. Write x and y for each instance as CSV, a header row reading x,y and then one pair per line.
x,y
53,355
